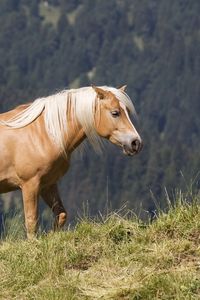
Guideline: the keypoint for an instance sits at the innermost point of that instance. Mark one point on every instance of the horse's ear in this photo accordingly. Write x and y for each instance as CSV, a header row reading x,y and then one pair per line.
x,y
100,92
122,88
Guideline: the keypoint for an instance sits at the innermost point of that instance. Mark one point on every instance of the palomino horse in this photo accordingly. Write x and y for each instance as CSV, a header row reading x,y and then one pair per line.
x,y
37,139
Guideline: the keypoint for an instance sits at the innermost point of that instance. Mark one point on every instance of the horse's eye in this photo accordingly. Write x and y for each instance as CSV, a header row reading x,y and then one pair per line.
x,y
115,113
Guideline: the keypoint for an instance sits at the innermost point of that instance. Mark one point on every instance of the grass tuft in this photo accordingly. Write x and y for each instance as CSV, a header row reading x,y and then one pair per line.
x,y
116,258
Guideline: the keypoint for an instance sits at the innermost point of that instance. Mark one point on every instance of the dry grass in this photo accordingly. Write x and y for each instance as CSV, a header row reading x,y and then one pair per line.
x,y
116,258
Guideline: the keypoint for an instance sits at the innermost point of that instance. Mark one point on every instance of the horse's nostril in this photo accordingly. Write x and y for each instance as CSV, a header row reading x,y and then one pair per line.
x,y
136,144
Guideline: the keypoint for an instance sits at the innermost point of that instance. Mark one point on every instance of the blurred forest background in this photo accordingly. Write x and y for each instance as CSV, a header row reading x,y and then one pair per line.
x,y
153,46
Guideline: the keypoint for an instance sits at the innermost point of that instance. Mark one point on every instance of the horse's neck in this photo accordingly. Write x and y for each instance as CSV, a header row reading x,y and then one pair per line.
x,y
75,139
72,138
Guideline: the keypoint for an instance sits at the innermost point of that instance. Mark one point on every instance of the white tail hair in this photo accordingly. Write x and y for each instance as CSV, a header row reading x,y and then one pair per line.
x,y
80,103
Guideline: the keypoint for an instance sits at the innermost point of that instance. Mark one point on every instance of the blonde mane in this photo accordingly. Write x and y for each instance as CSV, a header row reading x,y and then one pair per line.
x,y
78,103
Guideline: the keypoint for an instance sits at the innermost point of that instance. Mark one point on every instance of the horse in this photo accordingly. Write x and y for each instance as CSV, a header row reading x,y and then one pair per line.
x,y
37,140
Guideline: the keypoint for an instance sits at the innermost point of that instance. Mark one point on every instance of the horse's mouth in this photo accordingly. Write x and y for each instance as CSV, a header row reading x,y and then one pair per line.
x,y
127,151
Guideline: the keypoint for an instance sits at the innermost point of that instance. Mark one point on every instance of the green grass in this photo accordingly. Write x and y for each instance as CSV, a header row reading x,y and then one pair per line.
x,y
117,258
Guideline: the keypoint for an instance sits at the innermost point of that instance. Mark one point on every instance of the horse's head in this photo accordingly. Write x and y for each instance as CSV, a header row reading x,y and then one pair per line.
x,y
113,123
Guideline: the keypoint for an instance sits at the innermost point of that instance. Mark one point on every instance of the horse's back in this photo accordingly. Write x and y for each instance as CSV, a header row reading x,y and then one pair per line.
x,y
13,112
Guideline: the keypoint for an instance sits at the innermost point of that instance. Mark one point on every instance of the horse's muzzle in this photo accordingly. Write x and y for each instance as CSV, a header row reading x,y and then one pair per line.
x,y
133,148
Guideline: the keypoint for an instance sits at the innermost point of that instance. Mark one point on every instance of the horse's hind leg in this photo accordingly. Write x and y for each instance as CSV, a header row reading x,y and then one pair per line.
x,y
30,199
52,198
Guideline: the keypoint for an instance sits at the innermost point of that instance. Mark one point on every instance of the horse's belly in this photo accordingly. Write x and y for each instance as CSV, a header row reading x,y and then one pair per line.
x,y
8,186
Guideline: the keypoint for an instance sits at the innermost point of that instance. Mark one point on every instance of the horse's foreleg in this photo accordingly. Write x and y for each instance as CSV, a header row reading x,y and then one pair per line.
x,y
30,192
52,198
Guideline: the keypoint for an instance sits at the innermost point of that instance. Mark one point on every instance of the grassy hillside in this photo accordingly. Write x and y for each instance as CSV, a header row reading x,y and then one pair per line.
x,y
115,258
152,46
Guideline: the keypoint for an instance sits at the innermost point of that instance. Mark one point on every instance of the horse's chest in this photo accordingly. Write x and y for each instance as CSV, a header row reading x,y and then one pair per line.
x,y
55,172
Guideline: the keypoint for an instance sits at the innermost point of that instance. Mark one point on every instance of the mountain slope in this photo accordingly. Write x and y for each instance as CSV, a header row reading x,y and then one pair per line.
x,y
115,258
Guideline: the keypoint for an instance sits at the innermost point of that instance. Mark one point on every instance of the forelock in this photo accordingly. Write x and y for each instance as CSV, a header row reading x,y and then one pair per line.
x,y
122,97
